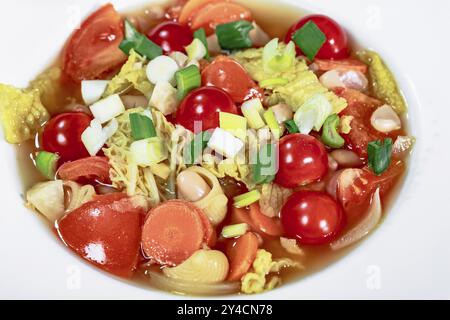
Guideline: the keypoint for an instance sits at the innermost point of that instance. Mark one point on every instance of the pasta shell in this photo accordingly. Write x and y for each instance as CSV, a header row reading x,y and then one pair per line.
x,y
204,266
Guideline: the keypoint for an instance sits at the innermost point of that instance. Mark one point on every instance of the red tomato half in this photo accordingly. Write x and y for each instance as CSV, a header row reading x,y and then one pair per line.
x,y
105,232
199,111
62,135
171,36
336,46
229,75
302,160
361,107
93,50
313,218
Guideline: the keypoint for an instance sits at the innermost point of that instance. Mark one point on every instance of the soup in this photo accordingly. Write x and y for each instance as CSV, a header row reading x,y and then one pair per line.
x,y
185,147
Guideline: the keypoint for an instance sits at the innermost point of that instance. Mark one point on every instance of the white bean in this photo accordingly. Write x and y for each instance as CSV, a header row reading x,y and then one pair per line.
x,y
346,158
385,119
344,78
191,186
282,112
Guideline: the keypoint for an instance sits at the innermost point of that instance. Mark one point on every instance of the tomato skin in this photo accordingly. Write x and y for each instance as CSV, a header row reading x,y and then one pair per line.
x,y
203,105
91,169
302,160
62,135
93,50
229,75
106,232
313,218
336,46
171,36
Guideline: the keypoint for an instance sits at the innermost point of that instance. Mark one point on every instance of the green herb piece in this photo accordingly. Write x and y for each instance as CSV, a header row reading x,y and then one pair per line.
x,y
330,135
139,42
291,126
234,35
187,79
380,155
142,127
265,168
310,39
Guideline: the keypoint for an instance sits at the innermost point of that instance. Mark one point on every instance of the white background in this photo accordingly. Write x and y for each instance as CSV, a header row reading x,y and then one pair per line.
x,y
408,257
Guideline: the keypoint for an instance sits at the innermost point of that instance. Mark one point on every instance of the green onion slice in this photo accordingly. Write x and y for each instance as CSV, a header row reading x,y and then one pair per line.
x,y
139,42
187,79
379,155
46,163
246,199
234,35
330,135
196,147
310,39
291,126
142,127
200,34
235,230
265,168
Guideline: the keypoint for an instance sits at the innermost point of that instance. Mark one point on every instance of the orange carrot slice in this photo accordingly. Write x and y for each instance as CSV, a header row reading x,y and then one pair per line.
x,y
172,232
210,232
241,255
218,13
191,8
269,226
345,65
87,169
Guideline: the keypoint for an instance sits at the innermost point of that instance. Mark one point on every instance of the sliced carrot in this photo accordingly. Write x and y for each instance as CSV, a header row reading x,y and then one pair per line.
x,y
228,75
269,226
241,215
241,255
218,13
191,8
87,169
210,232
172,232
346,65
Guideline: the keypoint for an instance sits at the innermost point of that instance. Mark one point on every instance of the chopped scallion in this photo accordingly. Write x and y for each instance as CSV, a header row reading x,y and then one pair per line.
x,y
139,42
291,126
46,163
379,155
330,135
235,230
246,199
142,127
200,34
234,35
310,39
187,79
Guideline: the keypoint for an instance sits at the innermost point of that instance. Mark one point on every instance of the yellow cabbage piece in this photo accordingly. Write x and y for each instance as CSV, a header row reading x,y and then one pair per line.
x,y
126,175
256,281
49,85
132,75
302,84
346,122
383,82
21,113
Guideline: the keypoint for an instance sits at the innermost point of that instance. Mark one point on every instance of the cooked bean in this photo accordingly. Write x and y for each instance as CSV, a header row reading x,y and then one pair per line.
x,y
282,112
385,119
346,158
130,101
191,186
332,163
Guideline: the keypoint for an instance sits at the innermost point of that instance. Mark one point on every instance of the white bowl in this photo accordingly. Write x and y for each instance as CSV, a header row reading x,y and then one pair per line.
x,y
407,257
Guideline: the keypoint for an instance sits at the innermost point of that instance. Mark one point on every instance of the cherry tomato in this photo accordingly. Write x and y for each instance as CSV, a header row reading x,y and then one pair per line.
x,y
171,36
62,135
229,75
313,218
106,232
336,45
93,50
302,160
203,105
